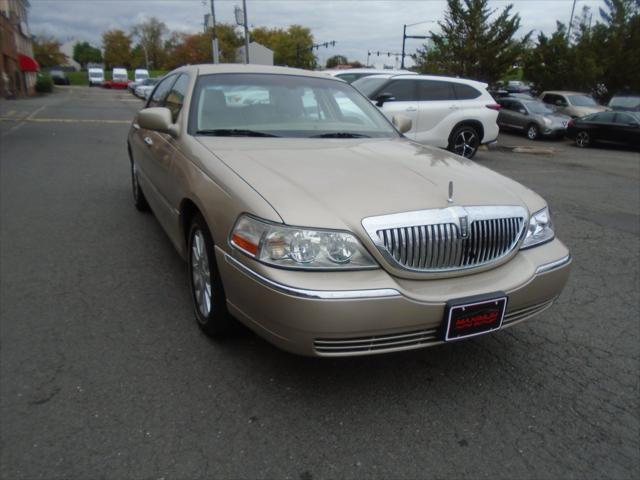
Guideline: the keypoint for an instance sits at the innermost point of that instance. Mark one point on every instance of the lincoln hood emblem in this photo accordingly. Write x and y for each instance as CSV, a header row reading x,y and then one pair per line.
x,y
450,199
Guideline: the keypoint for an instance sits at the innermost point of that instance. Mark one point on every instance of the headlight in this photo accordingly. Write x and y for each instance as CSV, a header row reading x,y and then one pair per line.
x,y
540,229
299,248
547,121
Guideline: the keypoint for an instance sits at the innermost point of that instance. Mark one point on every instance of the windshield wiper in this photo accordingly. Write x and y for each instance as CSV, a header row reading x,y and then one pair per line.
x,y
234,132
340,135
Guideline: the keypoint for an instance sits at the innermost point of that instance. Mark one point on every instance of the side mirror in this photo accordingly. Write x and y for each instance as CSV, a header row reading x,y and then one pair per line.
x,y
383,97
402,123
158,119
522,111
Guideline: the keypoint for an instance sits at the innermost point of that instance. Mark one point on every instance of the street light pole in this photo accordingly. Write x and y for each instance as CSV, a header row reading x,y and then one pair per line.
x,y
573,9
405,36
246,32
214,37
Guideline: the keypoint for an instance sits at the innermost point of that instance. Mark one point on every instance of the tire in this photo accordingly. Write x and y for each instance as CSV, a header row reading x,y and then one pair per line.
x,y
533,132
207,292
139,200
583,139
464,141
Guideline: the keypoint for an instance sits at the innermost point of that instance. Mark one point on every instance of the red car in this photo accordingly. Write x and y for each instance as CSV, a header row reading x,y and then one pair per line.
x,y
120,79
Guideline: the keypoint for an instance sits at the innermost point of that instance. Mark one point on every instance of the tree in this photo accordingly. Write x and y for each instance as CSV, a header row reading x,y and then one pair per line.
x,y
150,34
292,47
184,49
337,60
548,64
84,53
471,44
46,51
117,49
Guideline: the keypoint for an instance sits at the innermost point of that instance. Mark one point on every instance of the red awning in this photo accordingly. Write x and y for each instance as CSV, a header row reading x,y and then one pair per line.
x,y
28,64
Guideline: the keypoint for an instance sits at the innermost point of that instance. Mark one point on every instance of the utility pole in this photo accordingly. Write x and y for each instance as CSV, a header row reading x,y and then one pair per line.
x,y
246,32
214,37
573,9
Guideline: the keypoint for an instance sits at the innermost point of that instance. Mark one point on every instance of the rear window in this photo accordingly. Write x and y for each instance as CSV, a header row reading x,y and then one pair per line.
x,y
582,100
465,92
435,90
625,102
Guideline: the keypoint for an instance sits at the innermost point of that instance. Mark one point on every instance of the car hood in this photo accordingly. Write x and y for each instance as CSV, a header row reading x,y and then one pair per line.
x,y
335,183
582,111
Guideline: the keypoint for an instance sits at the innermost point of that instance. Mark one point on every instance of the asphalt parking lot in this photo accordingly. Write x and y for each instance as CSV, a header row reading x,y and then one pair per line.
x,y
105,374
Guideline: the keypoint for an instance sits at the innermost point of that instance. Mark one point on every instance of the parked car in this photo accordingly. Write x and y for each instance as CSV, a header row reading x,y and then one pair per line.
x,y
625,101
350,75
611,127
532,117
451,113
517,86
574,104
119,79
329,233
96,76
59,77
145,88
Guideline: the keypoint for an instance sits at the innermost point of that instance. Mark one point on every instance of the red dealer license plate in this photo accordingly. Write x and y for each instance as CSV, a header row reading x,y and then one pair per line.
x,y
469,317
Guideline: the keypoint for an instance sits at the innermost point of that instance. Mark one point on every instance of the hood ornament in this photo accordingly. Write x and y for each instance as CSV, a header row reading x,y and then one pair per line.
x,y
450,199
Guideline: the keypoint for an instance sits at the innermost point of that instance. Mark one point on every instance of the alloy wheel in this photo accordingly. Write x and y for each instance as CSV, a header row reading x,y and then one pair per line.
x,y
582,139
466,143
200,274
532,132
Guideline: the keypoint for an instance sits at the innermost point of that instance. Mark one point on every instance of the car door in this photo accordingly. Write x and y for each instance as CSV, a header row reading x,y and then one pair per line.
x,y
604,127
145,144
439,111
402,100
627,129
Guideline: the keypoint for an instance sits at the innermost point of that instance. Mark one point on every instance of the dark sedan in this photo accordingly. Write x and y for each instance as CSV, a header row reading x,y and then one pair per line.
x,y
59,77
612,127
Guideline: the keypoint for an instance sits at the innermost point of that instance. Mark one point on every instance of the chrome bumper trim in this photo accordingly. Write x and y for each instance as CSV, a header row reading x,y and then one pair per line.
x,y
317,294
548,267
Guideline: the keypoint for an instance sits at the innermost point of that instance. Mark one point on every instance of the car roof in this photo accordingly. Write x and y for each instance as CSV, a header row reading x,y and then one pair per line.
x,y
373,71
564,92
465,81
208,69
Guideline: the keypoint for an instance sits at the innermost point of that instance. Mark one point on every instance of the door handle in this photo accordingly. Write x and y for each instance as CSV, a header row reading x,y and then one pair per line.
x,y
148,141
411,109
453,107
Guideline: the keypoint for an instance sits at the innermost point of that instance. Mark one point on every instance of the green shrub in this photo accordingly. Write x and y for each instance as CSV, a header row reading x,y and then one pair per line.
x,y
44,84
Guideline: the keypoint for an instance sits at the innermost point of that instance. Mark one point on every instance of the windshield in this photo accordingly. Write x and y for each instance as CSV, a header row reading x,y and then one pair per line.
x,y
283,106
582,101
95,74
369,85
150,81
142,76
625,102
539,107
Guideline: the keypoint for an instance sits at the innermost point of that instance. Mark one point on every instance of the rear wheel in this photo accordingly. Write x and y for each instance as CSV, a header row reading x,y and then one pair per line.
x,y
583,139
533,132
207,292
464,141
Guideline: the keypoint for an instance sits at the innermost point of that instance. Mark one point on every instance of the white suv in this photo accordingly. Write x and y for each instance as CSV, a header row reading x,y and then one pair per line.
x,y
446,112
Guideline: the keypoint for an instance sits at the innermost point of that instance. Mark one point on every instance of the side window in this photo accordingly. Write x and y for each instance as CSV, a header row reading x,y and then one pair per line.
x,y
506,104
160,92
348,77
518,107
465,92
624,119
435,90
402,90
175,98
604,117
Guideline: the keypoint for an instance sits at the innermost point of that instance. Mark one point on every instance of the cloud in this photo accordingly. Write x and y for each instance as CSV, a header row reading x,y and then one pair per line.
x,y
356,25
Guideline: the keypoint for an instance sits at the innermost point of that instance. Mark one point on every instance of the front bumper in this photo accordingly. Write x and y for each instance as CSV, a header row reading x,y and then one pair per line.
x,y
365,312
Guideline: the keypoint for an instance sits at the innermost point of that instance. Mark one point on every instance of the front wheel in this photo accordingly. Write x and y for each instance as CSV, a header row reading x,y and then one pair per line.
x,y
207,292
464,142
533,132
583,139
139,199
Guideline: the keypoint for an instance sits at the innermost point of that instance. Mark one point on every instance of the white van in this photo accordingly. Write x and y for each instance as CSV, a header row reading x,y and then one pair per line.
x,y
140,74
120,75
96,76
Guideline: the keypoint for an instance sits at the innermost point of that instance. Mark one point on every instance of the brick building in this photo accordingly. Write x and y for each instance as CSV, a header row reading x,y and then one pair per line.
x,y
17,66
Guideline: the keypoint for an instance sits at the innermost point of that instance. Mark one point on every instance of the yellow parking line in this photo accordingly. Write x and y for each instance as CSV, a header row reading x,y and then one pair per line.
x,y
68,120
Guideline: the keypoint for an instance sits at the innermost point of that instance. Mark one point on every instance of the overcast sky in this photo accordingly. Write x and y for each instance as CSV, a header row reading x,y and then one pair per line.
x,y
356,25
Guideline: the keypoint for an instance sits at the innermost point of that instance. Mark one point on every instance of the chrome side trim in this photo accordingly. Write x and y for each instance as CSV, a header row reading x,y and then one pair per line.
x,y
548,267
316,294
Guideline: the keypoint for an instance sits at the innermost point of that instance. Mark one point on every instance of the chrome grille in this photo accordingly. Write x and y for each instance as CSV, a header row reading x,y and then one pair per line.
x,y
376,343
449,239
